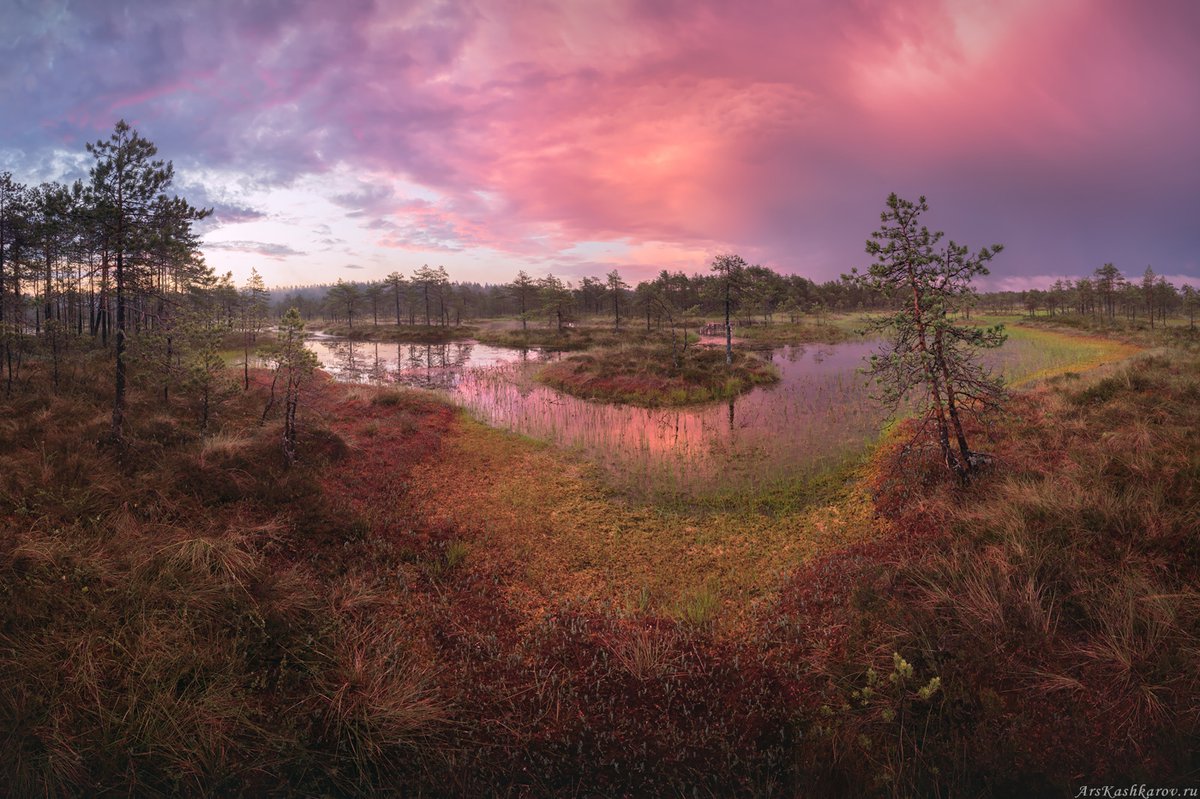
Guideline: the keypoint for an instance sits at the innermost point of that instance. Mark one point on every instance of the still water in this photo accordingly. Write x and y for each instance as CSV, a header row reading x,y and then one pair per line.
x,y
818,413
817,416
436,366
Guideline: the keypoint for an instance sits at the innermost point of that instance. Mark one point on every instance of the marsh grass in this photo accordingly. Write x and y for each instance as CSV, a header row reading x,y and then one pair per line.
x,y
699,606
574,339
1034,354
767,439
154,636
1055,599
767,448
647,653
456,553
1177,333
422,334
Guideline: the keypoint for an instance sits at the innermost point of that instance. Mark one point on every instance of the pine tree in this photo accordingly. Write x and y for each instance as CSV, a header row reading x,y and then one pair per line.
x,y
295,363
14,238
254,301
425,278
373,292
523,288
395,283
128,186
616,285
928,357
556,299
730,270
1108,282
345,296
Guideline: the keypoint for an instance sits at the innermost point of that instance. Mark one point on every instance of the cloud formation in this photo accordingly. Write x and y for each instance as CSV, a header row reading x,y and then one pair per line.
x,y
256,247
499,135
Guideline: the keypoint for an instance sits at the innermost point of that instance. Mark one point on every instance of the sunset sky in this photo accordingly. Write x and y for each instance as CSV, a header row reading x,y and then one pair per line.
x,y
349,139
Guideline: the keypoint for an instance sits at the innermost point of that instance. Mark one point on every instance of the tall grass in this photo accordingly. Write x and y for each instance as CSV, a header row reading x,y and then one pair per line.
x,y
185,617
1056,600
160,633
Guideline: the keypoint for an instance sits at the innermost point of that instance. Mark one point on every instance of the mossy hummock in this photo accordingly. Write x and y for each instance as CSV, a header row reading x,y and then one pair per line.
x,y
652,376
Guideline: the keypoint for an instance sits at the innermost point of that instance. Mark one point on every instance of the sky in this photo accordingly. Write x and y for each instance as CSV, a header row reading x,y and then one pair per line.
x,y
354,138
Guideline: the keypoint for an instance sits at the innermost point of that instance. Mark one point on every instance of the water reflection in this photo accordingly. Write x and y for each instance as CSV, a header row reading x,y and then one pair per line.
x,y
434,366
818,414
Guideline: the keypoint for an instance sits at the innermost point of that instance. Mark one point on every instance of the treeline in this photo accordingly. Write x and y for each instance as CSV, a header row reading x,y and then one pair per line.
x,y
113,263
1107,293
757,294
428,296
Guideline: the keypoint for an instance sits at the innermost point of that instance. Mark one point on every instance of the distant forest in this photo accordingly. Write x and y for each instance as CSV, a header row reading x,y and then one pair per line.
x,y
429,296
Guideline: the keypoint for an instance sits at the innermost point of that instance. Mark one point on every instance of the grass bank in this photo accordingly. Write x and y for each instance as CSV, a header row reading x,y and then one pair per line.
x,y
418,334
573,538
651,376
780,334
1055,600
573,339
1177,333
1053,351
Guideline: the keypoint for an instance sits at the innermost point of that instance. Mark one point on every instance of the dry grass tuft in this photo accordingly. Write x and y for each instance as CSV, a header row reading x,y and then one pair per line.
x,y
646,653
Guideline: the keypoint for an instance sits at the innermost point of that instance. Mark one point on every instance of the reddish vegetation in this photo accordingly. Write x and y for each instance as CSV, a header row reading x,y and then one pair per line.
x,y
1055,597
579,694
322,631
570,696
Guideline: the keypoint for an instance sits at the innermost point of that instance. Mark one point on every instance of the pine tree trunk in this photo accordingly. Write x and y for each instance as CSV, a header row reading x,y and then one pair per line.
x,y
118,418
952,405
728,330
289,424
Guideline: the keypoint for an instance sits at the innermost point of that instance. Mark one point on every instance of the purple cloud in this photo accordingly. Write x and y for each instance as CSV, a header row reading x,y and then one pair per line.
x,y
674,129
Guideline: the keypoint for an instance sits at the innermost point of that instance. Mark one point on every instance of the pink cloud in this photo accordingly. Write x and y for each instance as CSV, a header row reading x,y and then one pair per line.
x,y
1062,129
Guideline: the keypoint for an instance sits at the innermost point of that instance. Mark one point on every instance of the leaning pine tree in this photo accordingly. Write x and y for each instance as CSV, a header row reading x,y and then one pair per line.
x,y
929,358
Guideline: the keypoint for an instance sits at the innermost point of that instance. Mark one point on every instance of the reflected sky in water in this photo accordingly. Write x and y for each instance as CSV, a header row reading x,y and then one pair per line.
x,y
816,414
819,413
812,418
435,366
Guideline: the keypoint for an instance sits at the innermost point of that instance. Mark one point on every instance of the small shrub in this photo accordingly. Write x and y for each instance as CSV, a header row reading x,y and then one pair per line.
x,y
390,398
322,444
